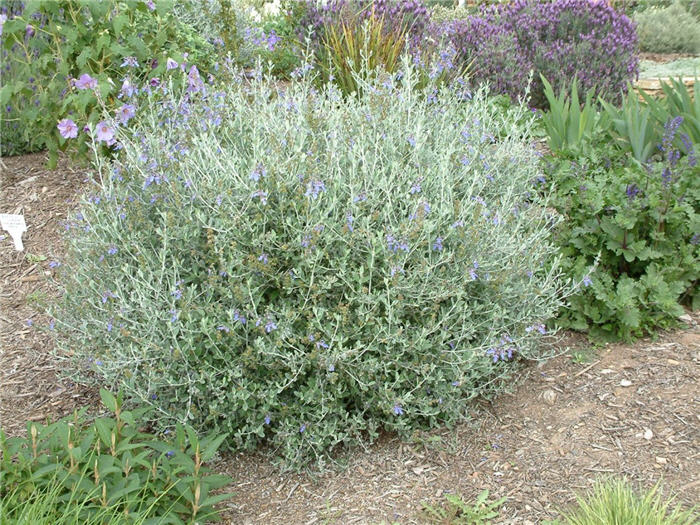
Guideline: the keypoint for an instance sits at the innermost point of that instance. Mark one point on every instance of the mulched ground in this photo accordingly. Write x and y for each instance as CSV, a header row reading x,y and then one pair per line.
x,y
29,386
664,58
631,410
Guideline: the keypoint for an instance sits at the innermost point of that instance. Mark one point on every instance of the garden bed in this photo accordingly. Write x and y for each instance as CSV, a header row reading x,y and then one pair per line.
x,y
624,410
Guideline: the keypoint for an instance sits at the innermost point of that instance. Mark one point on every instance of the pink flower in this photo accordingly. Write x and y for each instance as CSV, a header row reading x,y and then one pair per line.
x,y
126,113
67,128
85,82
104,132
170,64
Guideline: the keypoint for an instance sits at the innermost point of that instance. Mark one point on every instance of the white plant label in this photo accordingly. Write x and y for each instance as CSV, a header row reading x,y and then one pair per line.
x,y
15,226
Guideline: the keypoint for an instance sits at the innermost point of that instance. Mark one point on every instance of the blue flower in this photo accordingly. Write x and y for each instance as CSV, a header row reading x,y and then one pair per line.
x,y
174,315
30,322
302,428
437,245
54,264
130,62
587,281
112,250
539,327
270,326
263,258
397,269
261,194
223,328
258,172
360,198
267,419
314,188
398,411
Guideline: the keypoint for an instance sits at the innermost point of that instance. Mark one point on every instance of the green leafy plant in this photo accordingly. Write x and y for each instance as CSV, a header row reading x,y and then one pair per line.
x,y
74,472
615,501
639,224
570,125
635,127
458,512
285,55
276,265
67,59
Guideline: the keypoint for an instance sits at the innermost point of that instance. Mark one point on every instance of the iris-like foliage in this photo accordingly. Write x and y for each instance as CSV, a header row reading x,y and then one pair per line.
x,y
563,39
108,471
276,264
402,16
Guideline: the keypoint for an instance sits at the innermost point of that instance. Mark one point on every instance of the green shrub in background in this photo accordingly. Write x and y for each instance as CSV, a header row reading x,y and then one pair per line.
x,y
669,29
74,472
281,46
615,502
285,267
639,6
62,57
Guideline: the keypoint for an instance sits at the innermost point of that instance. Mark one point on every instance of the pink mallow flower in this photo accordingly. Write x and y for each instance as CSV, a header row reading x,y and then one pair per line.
x,y
85,82
67,128
126,113
104,132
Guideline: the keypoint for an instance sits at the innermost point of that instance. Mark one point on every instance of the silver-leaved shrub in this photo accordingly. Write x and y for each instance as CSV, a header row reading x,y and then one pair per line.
x,y
292,267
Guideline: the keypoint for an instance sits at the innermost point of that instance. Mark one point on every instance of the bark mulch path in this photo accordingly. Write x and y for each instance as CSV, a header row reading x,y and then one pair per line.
x,y
29,387
630,410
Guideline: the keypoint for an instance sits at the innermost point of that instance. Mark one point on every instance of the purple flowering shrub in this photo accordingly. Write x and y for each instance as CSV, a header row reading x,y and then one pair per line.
x,y
64,60
562,39
274,264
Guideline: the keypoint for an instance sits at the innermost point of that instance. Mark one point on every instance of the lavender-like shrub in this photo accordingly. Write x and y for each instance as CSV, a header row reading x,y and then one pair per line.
x,y
282,266
560,39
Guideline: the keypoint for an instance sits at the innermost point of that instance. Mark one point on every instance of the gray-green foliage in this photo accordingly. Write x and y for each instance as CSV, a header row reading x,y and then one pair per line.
x,y
669,29
683,67
284,264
